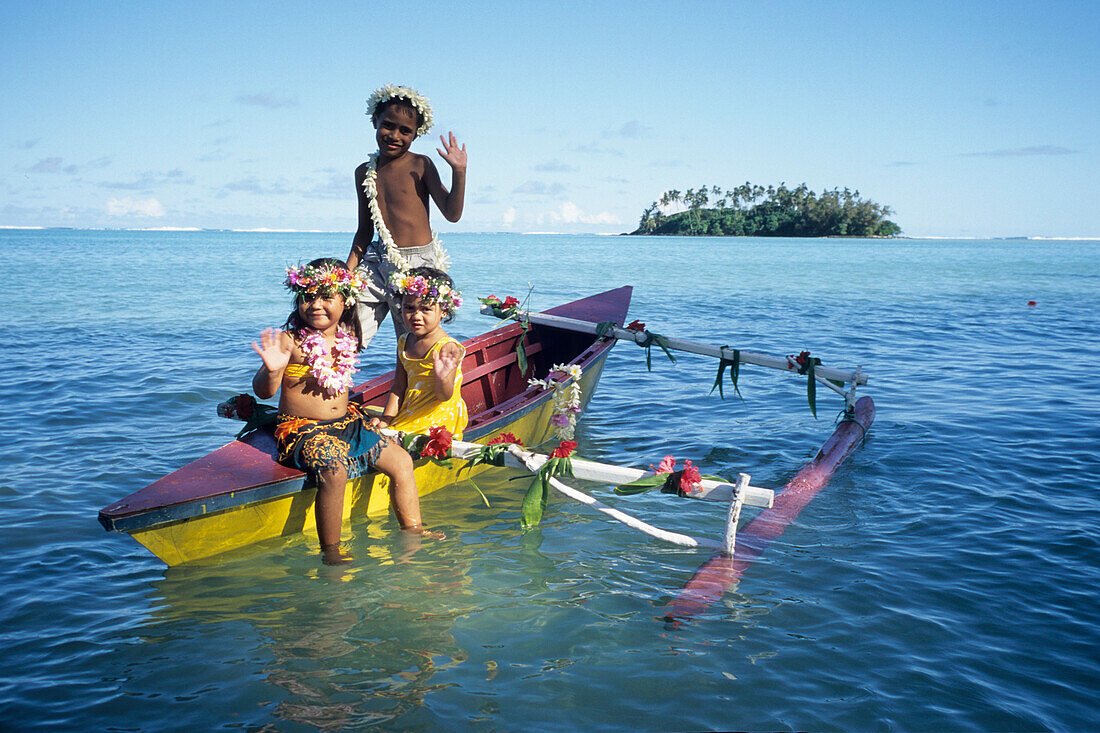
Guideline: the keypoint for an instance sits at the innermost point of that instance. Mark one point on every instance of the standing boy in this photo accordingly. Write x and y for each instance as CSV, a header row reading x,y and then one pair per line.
x,y
393,187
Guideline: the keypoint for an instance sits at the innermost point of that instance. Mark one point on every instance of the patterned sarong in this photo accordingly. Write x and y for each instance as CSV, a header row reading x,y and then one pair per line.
x,y
324,445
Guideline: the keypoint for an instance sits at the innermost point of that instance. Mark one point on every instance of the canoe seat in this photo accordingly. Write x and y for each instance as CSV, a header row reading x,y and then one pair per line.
x,y
469,375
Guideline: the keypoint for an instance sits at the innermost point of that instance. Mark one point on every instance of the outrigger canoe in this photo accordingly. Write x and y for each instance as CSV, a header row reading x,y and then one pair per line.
x,y
239,495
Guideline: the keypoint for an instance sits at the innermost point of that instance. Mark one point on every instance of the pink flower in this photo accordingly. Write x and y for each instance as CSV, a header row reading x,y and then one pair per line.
x,y
559,419
667,465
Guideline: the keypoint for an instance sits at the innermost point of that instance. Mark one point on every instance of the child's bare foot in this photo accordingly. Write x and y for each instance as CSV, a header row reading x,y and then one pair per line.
x,y
431,534
333,555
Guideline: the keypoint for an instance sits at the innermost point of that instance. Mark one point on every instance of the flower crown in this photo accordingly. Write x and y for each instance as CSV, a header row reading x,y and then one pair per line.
x,y
384,94
429,289
326,279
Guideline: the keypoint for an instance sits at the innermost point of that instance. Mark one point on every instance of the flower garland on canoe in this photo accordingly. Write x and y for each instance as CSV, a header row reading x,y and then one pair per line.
x,y
566,400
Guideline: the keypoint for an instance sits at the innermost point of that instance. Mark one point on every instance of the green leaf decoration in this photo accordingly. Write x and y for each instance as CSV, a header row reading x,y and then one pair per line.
x,y
655,338
534,501
490,455
521,357
735,369
811,386
603,328
641,485
484,498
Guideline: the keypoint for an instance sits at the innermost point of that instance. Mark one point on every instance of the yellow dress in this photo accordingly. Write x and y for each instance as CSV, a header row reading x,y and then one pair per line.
x,y
421,409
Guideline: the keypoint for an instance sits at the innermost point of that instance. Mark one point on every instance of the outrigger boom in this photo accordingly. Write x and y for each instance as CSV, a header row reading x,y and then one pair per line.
x,y
824,375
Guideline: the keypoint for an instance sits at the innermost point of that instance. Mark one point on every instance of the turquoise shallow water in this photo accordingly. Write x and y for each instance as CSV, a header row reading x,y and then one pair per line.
x,y
945,579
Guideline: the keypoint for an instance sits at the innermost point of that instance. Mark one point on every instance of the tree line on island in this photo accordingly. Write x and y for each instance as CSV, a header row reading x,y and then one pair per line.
x,y
756,211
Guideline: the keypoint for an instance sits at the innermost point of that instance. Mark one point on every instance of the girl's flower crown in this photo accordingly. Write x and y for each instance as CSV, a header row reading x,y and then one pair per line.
x,y
416,99
326,280
428,289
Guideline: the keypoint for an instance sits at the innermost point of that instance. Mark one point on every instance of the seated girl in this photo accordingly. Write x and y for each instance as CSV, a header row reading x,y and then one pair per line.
x,y
318,430
427,384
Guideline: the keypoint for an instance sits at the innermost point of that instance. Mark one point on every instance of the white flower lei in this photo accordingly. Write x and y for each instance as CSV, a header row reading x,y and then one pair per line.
x,y
567,398
393,252
416,99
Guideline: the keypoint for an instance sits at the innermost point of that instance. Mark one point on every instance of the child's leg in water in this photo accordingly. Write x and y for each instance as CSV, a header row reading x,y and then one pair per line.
x,y
395,462
329,509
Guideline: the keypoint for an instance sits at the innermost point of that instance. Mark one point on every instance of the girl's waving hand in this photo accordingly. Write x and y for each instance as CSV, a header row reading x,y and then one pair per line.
x,y
275,350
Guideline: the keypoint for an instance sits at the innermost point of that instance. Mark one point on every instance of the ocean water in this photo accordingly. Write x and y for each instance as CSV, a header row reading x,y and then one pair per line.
x,y
946,579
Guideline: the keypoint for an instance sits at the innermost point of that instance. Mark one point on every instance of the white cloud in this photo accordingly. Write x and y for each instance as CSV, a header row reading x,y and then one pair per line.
x,y
570,213
129,207
509,217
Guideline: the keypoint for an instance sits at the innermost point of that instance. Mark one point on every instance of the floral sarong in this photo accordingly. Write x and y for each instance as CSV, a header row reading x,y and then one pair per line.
x,y
324,445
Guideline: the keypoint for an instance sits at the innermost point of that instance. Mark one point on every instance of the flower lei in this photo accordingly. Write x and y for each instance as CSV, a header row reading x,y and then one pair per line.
x,y
385,93
567,398
332,368
431,290
309,280
393,252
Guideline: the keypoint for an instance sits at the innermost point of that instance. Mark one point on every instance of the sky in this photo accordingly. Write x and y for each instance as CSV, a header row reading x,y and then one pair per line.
x,y
970,118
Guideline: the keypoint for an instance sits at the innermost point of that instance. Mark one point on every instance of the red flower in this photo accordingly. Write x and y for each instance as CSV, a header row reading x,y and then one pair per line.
x,y
510,302
505,438
439,443
564,449
1032,302
801,358
691,480
635,325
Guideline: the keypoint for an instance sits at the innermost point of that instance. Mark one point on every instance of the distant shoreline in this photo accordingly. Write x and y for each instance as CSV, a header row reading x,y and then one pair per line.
x,y
193,230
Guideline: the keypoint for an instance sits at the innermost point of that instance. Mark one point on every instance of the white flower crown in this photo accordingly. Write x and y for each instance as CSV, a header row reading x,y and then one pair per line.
x,y
415,98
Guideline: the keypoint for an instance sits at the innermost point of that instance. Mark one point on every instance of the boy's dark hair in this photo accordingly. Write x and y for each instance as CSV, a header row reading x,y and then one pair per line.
x,y
348,318
399,102
433,274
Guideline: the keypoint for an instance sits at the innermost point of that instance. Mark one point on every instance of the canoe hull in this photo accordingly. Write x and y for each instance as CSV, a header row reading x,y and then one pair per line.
x,y
210,534
238,495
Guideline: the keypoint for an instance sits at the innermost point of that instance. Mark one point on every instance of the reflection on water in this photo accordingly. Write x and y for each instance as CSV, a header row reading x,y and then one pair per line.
x,y
348,646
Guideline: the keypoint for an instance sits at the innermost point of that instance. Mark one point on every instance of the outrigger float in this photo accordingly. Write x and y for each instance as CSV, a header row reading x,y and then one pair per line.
x,y
239,495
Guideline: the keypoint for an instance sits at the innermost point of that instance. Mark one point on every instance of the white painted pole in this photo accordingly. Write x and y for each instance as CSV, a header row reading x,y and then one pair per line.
x,y
531,462
747,357
734,514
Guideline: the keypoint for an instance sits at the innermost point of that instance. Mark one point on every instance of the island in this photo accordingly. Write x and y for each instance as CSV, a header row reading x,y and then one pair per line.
x,y
772,211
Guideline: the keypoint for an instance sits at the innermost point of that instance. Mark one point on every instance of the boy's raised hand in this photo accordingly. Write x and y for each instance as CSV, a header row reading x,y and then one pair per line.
x,y
452,153
273,350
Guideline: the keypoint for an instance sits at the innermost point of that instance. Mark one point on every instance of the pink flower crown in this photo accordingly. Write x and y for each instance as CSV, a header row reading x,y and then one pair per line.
x,y
325,280
430,290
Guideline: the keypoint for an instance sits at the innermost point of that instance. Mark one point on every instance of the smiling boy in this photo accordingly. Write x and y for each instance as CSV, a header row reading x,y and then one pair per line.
x,y
393,188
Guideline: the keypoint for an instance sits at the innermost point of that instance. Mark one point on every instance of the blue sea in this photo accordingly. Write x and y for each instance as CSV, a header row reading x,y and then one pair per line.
x,y
947,578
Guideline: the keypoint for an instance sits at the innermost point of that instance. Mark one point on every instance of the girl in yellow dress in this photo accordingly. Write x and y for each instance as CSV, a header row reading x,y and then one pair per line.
x,y
427,386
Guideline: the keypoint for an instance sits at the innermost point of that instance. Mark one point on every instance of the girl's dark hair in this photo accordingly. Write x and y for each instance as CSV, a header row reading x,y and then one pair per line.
x,y
433,274
348,319
399,102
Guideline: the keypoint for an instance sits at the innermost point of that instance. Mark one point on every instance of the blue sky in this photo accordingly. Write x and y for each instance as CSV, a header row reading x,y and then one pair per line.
x,y
968,118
